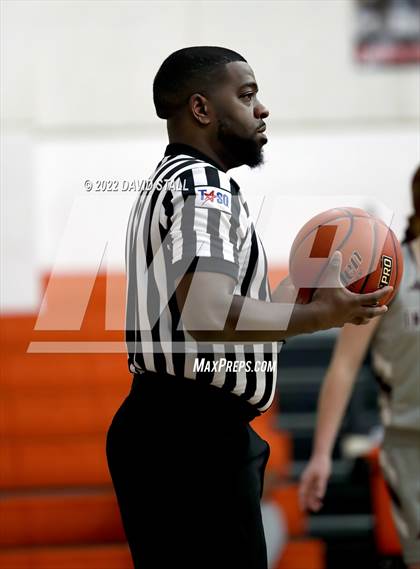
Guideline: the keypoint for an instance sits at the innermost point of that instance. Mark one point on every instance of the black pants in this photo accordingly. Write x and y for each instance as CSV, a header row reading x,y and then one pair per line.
x,y
188,472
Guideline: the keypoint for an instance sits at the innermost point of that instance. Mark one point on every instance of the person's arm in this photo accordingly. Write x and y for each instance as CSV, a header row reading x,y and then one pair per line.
x,y
349,352
202,255
212,313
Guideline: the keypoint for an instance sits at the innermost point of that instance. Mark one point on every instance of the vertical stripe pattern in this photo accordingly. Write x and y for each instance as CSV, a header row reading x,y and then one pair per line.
x,y
203,223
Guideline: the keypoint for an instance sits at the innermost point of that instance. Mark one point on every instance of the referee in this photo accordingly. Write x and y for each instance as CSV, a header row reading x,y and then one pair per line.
x,y
203,329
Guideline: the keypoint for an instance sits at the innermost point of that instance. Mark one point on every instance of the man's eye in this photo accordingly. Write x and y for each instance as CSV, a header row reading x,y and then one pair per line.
x,y
247,96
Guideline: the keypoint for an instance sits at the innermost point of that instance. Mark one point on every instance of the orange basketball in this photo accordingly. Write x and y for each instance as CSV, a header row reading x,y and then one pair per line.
x,y
372,256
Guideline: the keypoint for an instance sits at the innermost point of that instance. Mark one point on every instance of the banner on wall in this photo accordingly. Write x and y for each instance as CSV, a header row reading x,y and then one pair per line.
x,y
387,32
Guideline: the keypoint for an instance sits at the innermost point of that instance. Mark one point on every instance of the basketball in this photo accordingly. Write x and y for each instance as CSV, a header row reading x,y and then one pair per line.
x,y
371,253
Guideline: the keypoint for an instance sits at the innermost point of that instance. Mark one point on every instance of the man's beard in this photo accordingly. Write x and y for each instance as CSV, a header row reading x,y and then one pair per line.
x,y
243,150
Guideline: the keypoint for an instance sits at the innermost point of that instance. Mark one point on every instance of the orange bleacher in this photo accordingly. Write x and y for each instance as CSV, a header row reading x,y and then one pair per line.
x,y
58,509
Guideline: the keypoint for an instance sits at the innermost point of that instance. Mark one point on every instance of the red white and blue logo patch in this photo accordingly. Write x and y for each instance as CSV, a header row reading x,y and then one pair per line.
x,y
213,198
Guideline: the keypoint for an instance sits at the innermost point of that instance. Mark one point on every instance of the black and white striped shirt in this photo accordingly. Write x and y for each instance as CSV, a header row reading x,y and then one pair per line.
x,y
194,218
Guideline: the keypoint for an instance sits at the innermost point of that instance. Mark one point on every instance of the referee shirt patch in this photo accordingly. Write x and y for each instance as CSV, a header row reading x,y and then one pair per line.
x,y
213,198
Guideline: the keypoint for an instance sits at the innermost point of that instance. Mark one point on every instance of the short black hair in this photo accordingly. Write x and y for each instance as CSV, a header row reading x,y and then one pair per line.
x,y
187,71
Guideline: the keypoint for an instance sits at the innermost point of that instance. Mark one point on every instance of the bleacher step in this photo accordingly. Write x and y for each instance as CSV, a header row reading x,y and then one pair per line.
x,y
69,516
109,556
337,526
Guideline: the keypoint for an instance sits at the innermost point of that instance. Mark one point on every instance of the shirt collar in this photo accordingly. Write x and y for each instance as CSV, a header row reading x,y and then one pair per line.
x,y
179,148
175,148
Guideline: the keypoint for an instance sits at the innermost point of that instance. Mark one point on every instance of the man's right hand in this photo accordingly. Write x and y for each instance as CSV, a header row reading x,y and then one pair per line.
x,y
337,306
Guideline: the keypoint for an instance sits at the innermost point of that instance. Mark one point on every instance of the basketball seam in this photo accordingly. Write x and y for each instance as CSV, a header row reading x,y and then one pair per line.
x,y
323,223
362,288
345,238
316,229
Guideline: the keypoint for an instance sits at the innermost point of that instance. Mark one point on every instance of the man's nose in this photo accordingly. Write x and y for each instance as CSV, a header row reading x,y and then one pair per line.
x,y
260,111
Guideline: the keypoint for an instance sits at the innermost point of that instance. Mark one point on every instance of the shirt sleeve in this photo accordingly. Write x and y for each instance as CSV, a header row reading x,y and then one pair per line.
x,y
204,223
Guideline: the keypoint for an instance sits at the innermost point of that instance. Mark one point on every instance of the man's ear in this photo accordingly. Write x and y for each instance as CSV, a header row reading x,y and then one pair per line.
x,y
199,107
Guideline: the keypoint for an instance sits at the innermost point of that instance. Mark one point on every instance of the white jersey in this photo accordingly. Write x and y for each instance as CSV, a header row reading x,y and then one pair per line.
x,y
396,352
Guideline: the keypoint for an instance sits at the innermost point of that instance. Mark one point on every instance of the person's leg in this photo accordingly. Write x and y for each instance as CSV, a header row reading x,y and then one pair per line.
x,y
249,493
129,468
188,486
400,461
